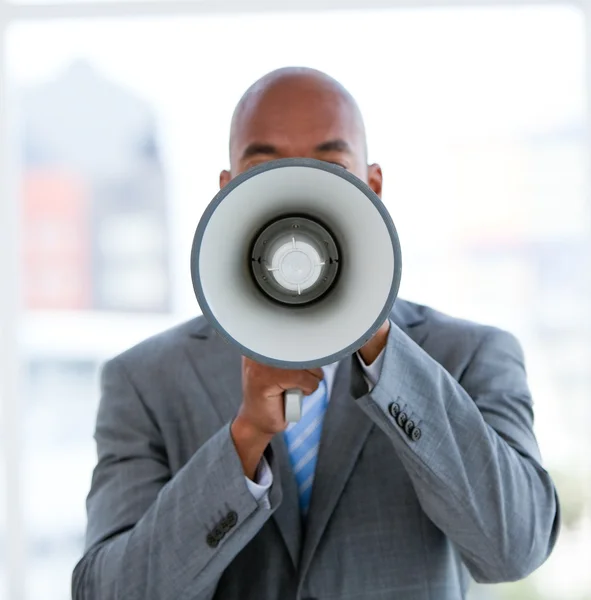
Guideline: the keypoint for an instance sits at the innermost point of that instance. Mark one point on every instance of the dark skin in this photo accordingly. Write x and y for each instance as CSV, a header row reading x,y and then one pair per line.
x,y
292,113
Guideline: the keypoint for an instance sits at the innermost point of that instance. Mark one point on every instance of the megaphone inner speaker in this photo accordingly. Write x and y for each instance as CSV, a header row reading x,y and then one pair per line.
x,y
295,260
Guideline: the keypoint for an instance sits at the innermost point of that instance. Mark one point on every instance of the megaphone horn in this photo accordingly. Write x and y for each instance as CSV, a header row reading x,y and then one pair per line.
x,y
297,263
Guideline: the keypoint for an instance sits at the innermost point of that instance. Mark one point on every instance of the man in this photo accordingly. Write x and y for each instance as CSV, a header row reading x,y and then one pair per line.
x,y
418,467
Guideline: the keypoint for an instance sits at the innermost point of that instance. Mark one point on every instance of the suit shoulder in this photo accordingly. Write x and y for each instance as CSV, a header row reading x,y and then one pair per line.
x,y
163,345
449,326
455,342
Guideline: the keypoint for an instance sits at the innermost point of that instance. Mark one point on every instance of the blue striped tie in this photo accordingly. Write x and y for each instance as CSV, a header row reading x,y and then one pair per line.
x,y
303,439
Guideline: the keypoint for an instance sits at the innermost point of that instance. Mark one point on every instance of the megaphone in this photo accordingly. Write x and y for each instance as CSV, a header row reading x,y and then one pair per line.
x,y
297,263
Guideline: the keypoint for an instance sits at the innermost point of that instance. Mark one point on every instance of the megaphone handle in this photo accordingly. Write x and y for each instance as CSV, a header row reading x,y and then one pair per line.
x,y
294,399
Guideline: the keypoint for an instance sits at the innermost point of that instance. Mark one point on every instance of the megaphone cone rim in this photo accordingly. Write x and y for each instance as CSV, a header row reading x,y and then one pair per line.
x,y
278,164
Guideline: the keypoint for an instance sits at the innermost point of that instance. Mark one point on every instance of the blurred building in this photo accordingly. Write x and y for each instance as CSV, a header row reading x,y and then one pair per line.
x,y
95,227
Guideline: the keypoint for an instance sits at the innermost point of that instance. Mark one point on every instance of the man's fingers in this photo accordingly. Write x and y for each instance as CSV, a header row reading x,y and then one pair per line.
x,y
305,381
318,373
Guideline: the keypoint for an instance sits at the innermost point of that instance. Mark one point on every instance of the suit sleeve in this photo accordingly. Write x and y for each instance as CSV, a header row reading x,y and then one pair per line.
x,y
470,451
150,536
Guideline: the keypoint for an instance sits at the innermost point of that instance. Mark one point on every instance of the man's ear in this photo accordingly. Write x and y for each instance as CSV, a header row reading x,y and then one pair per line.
x,y
225,177
374,178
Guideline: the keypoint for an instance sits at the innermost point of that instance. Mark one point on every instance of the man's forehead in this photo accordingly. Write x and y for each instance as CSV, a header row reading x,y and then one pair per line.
x,y
297,121
305,122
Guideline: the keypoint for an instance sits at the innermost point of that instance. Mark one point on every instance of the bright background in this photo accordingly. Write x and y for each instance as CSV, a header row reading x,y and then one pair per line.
x,y
114,128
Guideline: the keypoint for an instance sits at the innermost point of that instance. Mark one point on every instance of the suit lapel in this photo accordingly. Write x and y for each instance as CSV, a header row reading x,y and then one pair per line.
x,y
220,375
411,320
287,517
344,432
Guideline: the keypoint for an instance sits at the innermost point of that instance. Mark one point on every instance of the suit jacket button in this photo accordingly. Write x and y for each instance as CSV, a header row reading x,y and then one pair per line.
x,y
394,409
401,419
212,542
416,434
218,533
232,518
224,525
408,427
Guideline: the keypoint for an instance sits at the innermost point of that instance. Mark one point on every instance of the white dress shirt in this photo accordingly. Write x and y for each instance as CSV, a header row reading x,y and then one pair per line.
x,y
259,488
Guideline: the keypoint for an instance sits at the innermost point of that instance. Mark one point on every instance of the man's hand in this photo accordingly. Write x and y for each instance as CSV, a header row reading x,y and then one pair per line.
x,y
262,413
374,347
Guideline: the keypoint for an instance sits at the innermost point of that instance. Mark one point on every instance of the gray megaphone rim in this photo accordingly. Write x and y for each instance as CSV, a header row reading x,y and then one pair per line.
x,y
278,164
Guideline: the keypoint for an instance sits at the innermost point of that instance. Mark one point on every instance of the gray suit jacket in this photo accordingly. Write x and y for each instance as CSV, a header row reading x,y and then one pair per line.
x,y
399,511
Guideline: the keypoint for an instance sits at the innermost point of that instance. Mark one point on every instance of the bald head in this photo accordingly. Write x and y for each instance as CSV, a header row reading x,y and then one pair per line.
x,y
299,112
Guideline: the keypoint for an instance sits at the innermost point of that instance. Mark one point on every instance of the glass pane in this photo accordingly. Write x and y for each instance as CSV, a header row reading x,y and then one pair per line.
x,y
482,141
61,400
